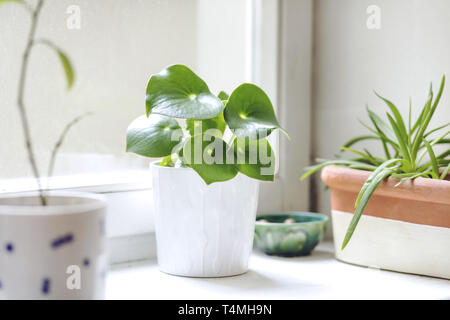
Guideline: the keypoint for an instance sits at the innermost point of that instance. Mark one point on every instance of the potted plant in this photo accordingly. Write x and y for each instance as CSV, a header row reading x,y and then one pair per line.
x,y
404,195
51,243
205,188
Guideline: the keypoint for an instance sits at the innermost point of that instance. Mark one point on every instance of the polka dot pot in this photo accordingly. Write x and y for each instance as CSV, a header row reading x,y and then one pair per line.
x,y
52,252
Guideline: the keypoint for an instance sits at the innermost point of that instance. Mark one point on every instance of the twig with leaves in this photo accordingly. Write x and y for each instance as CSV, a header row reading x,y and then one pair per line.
x,y
70,76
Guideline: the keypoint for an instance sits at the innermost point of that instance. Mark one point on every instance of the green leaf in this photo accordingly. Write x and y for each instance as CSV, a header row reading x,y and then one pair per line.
x,y
436,129
411,176
313,169
167,162
428,113
249,112
409,117
445,172
367,193
255,158
178,92
68,69
420,118
223,95
402,143
374,174
383,130
2,2
444,154
398,119
367,156
209,156
434,164
65,62
155,137
351,142
381,127
195,126
438,140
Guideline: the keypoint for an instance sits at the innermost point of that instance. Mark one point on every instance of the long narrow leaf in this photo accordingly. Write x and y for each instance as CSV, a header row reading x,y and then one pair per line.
x,y
419,118
444,154
398,118
363,155
402,144
411,177
351,142
432,159
436,129
381,126
369,180
424,124
313,169
409,118
64,59
445,172
367,193
436,141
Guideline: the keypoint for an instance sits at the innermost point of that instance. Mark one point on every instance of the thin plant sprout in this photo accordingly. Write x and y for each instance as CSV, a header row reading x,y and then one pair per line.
x,y
32,41
408,147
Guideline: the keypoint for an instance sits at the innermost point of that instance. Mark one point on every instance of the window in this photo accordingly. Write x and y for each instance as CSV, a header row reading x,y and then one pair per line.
x,y
114,51
117,47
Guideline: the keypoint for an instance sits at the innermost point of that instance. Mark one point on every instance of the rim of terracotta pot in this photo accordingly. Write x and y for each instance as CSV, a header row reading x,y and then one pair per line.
x,y
60,203
422,189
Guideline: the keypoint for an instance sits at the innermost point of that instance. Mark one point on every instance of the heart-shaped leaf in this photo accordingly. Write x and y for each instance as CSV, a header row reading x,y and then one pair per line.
x,y
255,158
210,157
178,92
155,137
249,112
214,127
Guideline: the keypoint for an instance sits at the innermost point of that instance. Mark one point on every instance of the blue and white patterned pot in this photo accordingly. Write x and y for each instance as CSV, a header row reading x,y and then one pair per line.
x,y
52,252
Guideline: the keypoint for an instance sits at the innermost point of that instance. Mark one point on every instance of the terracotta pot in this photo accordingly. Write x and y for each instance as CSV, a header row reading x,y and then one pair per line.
x,y
404,228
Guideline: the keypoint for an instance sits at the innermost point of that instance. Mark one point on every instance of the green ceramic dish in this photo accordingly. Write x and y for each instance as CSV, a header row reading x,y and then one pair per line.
x,y
298,238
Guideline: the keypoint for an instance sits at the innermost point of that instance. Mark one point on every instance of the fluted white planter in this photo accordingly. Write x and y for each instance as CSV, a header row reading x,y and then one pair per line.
x,y
52,252
201,230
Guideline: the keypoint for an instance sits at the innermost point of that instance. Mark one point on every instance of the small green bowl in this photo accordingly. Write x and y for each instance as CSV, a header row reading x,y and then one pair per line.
x,y
298,238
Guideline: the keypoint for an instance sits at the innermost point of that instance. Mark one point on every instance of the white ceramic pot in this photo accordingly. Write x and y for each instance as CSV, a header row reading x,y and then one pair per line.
x,y
52,252
201,230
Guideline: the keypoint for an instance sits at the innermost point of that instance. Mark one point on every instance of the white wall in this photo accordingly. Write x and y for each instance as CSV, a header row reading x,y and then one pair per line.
x,y
411,49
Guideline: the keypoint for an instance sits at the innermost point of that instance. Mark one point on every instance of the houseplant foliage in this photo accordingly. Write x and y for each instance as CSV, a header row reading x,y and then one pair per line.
x,y
202,139
199,141
409,151
69,73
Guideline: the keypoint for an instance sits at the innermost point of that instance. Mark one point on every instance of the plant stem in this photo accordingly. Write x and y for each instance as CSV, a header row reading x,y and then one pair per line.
x,y
59,143
21,104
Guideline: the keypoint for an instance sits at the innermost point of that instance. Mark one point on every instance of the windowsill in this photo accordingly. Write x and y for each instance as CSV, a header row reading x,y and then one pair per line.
x,y
129,226
318,276
102,182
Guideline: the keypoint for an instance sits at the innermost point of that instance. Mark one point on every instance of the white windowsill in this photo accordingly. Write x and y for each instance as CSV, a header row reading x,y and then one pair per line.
x,y
318,276
102,182
129,226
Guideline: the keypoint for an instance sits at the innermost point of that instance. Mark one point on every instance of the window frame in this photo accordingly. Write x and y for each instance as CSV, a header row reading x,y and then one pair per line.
x,y
270,47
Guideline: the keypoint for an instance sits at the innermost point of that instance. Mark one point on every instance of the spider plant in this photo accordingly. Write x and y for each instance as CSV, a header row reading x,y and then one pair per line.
x,y
408,151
